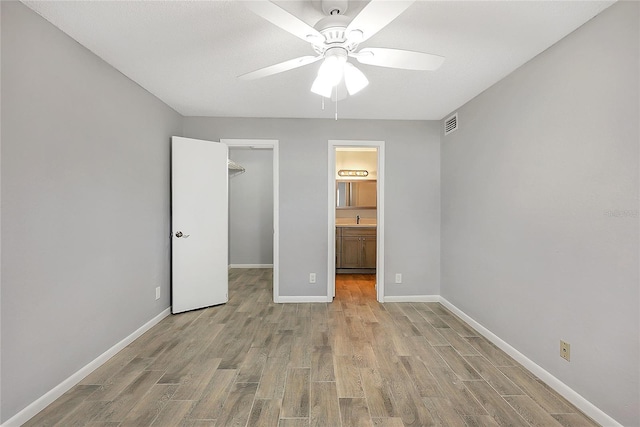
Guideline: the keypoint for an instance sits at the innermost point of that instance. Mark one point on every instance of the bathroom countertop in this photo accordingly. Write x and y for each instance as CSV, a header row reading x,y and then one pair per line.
x,y
351,222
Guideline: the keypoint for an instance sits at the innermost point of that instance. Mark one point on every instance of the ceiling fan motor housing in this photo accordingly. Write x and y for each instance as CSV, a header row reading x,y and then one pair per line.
x,y
333,29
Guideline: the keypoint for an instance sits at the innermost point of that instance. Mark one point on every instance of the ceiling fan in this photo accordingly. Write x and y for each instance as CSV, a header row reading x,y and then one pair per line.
x,y
336,38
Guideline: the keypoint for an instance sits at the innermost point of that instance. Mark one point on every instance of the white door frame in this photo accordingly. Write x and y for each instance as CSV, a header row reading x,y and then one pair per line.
x,y
273,144
331,234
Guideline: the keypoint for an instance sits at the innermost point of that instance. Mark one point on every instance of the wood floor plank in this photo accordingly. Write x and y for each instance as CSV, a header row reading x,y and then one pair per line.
x,y
118,408
495,405
453,388
543,396
265,413
66,404
387,422
348,380
293,422
295,402
461,344
433,335
111,388
531,411
111,366
437,308
430,316
251,368
210,405
281,346
272,382
301,348
81,416
322,364
421,377
354,412
429,356
458,325
178,371
149,407
196,381
479,421
493,354
405,326
443,412
378,394
237,407
574,420
503,385
408,403
362,355
458,364
173,413
324,407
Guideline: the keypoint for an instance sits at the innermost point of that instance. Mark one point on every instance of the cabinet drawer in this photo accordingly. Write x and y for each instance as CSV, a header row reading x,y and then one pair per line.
x,y
358,231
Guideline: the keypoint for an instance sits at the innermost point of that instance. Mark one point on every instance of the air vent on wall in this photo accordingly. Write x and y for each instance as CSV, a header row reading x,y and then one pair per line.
x,y
451,124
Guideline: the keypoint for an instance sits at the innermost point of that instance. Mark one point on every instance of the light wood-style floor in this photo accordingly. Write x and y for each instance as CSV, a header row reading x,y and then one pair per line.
x,y
353,362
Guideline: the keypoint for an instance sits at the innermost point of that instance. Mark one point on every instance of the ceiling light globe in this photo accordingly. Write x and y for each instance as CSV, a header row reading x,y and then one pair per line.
x,y
354,79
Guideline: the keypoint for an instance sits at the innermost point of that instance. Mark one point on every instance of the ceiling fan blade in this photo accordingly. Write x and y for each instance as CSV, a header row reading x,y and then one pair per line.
x,y
283,19
397,58
281,67
376,15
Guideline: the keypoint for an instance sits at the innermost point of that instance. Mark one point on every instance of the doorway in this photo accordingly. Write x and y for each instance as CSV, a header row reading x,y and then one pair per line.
x,y
272,145
352,246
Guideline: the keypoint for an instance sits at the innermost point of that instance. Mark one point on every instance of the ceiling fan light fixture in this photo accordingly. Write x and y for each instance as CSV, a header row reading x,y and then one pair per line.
x,y
354,79
332,67
322,86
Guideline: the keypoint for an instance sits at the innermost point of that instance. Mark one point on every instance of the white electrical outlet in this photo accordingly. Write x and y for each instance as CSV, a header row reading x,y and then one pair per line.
x,y
565,350
158,292
398,277
312,277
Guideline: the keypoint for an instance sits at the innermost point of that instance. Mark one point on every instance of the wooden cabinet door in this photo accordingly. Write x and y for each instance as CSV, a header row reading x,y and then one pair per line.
x,y
351,249
369,252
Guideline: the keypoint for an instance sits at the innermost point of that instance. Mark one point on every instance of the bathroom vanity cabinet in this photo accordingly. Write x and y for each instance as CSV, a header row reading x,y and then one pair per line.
x,y
355,248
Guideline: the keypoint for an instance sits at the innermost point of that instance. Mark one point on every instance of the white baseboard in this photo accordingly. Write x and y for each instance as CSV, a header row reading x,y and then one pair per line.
x,y
250,266
298,299
30,411
567,392
411,298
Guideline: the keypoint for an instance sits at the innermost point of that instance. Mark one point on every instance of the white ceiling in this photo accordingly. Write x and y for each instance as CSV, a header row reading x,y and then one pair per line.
x,y
189,53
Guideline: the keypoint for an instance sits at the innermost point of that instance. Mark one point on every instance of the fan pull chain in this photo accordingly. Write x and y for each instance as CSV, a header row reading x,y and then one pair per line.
x,y
322,102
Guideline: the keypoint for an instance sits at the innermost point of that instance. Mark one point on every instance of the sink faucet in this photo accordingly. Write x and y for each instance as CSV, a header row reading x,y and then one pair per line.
x,y
357,219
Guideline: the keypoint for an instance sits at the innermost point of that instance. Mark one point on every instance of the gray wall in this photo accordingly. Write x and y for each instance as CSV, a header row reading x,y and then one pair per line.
x,y
540,210
251,208
85,206
412,208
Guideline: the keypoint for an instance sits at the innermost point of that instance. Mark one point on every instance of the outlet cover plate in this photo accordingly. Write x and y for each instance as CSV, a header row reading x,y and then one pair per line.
x,y
158,293
312,277
398,277
565,350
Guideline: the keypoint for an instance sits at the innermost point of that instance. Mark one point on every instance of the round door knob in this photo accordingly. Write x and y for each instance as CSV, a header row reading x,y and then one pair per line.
x,y
179,234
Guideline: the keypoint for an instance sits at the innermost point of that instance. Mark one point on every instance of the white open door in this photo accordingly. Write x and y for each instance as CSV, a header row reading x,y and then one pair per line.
x,y
199,200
